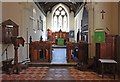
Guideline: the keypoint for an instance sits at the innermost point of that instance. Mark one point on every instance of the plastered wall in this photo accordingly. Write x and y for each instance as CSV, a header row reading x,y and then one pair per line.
x,y
21,13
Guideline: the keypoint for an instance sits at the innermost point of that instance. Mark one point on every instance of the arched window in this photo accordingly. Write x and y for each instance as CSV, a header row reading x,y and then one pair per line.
x,y
60,19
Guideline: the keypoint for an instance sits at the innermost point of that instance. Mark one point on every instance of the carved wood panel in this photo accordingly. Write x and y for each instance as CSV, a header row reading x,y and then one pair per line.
x,y
60,34
107,49
9,29
82,51
35,54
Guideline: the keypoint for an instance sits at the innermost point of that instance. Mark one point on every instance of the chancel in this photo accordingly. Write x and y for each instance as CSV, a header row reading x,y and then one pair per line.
x,y
63,40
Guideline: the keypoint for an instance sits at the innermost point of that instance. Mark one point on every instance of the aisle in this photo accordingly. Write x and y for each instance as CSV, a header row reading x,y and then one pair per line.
x,y
59,56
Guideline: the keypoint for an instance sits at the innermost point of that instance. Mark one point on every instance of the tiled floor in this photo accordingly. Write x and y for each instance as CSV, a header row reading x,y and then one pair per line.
x,y
56,73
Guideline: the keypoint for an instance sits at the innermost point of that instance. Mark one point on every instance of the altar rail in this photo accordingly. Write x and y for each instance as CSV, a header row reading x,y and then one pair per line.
x,y
82,51
37,47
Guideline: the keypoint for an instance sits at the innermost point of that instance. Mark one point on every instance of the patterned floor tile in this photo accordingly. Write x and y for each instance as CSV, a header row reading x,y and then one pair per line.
x,y
48,73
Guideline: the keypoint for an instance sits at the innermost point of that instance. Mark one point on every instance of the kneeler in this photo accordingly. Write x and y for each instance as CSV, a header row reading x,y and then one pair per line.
x,y
16,42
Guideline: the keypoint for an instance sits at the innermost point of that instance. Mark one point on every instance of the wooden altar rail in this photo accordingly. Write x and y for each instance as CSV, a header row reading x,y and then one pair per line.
x,y
82,51
36,47
70,46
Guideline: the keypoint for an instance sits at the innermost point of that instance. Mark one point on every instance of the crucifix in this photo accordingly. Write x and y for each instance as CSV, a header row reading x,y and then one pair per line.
x,y
102,12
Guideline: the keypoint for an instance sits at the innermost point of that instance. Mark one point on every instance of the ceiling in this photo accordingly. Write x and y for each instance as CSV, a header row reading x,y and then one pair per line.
x,y
47,6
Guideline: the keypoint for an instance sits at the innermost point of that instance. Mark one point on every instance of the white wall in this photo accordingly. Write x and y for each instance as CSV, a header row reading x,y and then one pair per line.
x,y
114,27
110,20
20,13
71,21
98,21
77,23
49,20
0,33
11,11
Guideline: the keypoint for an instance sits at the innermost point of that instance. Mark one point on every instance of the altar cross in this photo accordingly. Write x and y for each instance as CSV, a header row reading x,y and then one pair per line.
x,y
102,12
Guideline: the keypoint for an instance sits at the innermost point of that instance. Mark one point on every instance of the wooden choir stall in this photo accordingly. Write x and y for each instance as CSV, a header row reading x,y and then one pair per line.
x,y
106,50
70,46
82,51
40,51
106,55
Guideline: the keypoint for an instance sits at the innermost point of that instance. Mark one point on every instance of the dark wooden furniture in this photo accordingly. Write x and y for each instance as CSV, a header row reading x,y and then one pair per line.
x,y
82,51
9,29
70,46
105,50
40,51
7,65
16,42
118,53
110,62
60,34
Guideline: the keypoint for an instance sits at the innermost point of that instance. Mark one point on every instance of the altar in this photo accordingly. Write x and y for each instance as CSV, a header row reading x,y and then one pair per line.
x,y
58,46
59,36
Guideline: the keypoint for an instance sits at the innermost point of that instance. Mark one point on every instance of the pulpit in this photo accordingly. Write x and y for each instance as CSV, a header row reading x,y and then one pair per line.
x,y
107,49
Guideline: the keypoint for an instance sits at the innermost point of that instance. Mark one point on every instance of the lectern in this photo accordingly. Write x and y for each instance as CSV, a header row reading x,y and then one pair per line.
x,y
16,41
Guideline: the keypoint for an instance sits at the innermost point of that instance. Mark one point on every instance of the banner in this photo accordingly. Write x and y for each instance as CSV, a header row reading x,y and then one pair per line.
x,y
60,41
99,37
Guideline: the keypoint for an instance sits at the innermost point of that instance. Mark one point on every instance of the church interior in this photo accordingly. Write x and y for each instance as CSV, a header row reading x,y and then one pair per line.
x,y
63,40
